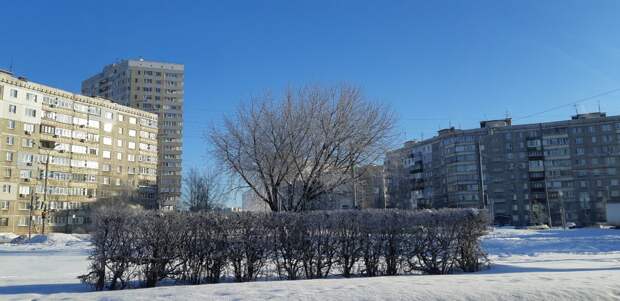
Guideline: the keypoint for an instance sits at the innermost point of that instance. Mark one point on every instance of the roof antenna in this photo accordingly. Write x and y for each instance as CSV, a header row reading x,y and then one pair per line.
x,y
599,106
576,109
507,114
11,65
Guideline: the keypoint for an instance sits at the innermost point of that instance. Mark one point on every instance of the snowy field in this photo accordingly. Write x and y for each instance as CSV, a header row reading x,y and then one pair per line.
x,y
581,264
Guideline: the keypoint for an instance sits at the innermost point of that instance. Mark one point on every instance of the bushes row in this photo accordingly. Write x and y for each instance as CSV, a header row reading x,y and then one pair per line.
x,y
142,248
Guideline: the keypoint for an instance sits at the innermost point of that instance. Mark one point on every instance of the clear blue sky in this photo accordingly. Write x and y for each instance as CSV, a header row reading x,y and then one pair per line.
x,y
434,62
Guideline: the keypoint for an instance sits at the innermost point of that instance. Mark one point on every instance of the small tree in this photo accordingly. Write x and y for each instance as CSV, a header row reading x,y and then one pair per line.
x,y
203,192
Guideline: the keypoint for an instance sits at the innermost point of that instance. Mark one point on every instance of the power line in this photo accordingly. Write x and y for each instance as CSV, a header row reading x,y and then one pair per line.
x,y
571,103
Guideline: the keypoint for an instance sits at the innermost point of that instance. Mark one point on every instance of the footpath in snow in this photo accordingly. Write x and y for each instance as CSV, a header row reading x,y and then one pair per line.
x,y
579,264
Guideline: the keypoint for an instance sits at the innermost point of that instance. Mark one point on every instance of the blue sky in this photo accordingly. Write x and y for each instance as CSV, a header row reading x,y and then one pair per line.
x,y
434,62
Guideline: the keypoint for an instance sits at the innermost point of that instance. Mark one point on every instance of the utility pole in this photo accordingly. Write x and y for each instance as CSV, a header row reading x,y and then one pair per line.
x,y
484,203
562,209
44,213
354,188
30,217
542,150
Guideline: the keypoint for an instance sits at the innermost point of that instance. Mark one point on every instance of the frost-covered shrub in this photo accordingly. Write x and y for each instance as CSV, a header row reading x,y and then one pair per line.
x,y
248,243
319,243
348,237
288,234
142,248
203,252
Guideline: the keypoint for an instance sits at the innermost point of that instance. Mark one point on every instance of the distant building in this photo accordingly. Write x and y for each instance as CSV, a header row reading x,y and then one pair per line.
x,y
251,202
370,187
60,151
157,88
524,174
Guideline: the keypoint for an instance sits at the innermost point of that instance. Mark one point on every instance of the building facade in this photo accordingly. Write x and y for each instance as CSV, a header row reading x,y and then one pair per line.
x,y
60,151
157,88
524,174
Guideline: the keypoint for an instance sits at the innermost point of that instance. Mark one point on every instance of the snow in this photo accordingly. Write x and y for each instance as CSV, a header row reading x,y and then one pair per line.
x,y
7,237
578,264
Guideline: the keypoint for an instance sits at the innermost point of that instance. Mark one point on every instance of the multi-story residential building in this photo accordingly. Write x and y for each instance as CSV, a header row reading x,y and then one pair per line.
x,y
158,88
524,174
60,151
370,187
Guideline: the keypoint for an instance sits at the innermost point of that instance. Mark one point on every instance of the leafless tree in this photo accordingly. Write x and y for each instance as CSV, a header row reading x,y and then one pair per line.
x,y
293,150
203,191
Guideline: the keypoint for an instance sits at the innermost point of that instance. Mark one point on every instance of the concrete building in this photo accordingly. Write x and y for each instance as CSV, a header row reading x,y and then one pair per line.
x,y
370,187
524,174
157,88
60,151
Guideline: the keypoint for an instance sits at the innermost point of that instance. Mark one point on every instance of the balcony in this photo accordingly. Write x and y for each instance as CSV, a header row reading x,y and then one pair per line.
x,y
418,184
416,167
535,154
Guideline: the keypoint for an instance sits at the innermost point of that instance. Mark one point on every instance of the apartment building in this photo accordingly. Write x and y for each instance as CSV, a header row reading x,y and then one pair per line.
x,y
158,88
60,151
524,174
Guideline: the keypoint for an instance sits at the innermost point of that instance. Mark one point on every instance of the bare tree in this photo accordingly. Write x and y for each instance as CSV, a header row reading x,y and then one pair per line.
x,y
203,192
291,152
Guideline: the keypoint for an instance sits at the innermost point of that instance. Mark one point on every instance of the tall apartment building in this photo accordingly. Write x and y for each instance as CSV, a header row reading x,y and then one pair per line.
x,y
524,174
60,151
157,88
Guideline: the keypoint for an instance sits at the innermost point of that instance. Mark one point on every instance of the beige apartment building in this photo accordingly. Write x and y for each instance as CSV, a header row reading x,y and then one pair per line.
x,y
158,88
60,151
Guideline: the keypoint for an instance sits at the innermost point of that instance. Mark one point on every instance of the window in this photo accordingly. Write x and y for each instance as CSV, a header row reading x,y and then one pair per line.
x,y
27,142
6,188
13,93
25,174
119,143
131,145
4,205
8,172
120,117
106,180
131,158
31,97
29,127
106,154
106,167
11,124
9,156
4,221
22,221
24,190
132,133
10,140
118,182
108,115
132,120
12,109
119,156
107,140
31,112
120,131
107,127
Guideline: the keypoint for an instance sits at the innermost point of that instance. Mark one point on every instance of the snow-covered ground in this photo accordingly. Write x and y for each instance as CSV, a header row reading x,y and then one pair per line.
x,y
581,264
